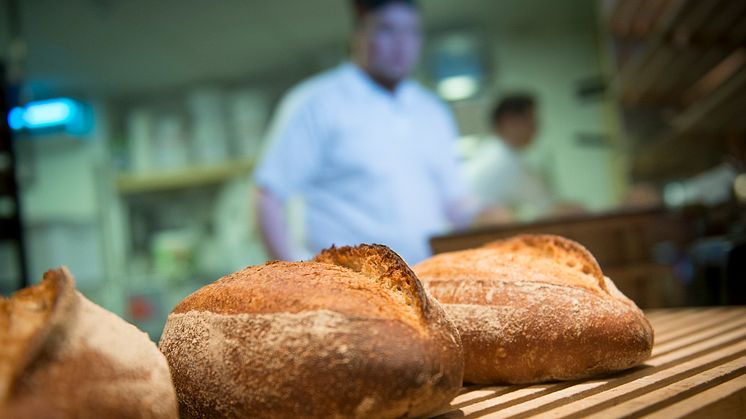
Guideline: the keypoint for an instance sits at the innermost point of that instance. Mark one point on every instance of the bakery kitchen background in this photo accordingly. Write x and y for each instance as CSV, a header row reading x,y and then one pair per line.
x,y
153,148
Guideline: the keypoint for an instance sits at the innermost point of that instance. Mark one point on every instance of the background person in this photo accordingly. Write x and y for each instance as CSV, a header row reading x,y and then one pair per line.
x,y
368,149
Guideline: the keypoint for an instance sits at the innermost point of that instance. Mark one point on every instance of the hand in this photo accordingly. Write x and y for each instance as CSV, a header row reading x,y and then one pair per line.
x,y
564,209
494,215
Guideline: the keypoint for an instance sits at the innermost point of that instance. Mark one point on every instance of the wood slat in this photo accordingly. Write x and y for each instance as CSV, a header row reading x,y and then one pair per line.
x,y
664,335
693,115
719,121
655,313
677,391
647,17
684,318
661,31
705,61
624,15
699,361
646,383
559,395
724,401
659,317
720,323
505,400
706,333
694,350
477,395
737,33
656,68
668,86
694,15
716,76
714,29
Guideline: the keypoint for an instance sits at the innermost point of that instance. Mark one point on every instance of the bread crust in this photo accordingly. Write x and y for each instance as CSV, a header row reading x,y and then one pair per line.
x,y
76,360
350,334
536,308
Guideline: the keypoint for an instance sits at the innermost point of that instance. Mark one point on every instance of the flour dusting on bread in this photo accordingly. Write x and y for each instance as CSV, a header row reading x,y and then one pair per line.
x,y
536,308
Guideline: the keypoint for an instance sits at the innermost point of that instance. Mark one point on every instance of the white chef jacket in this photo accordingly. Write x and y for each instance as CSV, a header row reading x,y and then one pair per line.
x,y
499,175
371,166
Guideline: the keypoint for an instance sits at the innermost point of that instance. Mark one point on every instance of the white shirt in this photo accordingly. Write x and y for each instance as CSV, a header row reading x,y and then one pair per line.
x,y
371,166
499,175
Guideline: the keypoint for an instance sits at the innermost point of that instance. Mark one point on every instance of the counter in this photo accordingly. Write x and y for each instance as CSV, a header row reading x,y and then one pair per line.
x,y
698,368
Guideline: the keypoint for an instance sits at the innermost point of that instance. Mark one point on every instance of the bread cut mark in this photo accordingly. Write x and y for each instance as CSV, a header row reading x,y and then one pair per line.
x,y
383,266
24,324
494,292
495,265
558,249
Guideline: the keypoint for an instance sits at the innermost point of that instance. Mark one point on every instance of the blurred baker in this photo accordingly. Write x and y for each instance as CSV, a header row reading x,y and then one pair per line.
x,y
498,171
368,149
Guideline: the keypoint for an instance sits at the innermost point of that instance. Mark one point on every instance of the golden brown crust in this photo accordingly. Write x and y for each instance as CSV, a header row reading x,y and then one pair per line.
x,y
536,308
297,287
556,249
351,334
382,265
24,326
84,362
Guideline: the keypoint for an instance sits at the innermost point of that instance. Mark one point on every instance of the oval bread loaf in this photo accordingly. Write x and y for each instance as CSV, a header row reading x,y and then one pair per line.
x,y
62,356
536,308
350,334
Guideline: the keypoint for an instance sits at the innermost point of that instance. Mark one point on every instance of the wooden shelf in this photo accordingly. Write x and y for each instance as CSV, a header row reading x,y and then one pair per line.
x,y
686,61
182,178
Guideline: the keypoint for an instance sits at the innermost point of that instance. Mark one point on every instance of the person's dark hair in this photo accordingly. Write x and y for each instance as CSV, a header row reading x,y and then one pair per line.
x,y
514,104
361,8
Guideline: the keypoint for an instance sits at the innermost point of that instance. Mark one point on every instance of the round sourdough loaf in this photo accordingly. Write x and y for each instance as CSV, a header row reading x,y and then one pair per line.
x,y
61,356
350,334
536,308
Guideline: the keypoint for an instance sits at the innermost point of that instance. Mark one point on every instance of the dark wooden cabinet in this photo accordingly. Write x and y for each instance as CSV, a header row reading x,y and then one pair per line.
x,y
638,250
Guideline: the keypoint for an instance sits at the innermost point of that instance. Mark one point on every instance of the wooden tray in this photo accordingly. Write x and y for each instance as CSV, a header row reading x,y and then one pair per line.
x,y
698,369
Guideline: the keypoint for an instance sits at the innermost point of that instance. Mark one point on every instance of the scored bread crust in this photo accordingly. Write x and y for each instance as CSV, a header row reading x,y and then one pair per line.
x,y
350,334
62,356
536,308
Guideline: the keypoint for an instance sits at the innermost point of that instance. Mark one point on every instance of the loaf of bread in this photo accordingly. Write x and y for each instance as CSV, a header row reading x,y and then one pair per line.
x,y
536,308
350,334
61,356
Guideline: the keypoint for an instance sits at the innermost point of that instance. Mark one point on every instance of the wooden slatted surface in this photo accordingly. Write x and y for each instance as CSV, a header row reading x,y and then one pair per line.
x,y
698,368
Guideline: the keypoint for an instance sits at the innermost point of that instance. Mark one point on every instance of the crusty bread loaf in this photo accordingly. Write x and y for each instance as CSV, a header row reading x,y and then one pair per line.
x,y
536,308
350,334
61,356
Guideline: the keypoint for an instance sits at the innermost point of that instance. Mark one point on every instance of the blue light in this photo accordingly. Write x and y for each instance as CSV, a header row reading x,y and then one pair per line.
x,y
15,118
49,113
63,113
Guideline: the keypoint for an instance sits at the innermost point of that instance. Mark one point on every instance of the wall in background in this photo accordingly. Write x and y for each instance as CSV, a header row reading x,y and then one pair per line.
x,y
60,180
549,61
57,178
